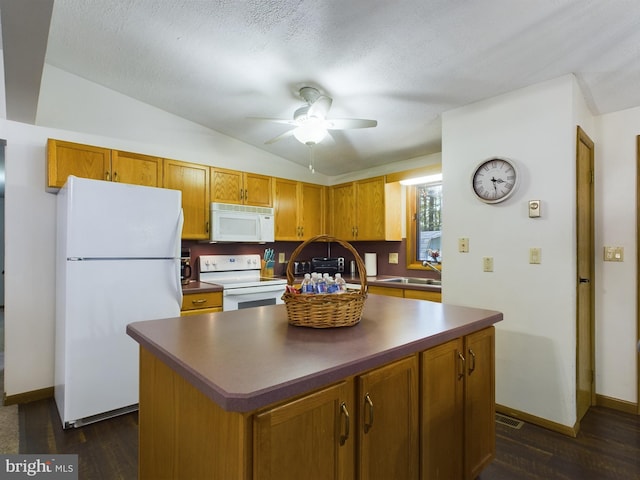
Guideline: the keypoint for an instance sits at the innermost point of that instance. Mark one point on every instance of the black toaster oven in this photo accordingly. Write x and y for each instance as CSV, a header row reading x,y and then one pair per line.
x,y
327,265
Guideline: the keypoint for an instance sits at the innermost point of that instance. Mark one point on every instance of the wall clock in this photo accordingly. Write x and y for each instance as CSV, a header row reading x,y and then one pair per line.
x,y
494,180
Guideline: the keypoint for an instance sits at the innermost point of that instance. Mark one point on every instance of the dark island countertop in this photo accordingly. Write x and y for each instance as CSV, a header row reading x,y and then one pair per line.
x,y
247,359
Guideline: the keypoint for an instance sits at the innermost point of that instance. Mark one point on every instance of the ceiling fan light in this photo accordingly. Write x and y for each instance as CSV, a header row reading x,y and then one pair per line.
x,y
310,134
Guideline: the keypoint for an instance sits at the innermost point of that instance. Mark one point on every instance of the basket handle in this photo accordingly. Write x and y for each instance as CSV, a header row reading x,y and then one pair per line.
x,y
328,238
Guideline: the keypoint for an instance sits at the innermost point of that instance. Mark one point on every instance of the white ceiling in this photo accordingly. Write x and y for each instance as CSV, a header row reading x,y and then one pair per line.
x,y
403,63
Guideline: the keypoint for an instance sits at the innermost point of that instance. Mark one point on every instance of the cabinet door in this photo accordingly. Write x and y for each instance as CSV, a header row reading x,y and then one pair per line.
x,y
286,210
257,190
388,422
311,210
370,209
193,181
441,425
137,169
85,161
479,402
302,439
342,211
226,186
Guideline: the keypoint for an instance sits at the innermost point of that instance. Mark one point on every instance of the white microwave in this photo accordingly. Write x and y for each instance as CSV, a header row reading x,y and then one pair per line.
x,y
241,223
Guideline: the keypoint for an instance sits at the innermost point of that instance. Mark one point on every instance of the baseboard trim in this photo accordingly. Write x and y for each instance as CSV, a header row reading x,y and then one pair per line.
x,y
541,422
27,397
616,404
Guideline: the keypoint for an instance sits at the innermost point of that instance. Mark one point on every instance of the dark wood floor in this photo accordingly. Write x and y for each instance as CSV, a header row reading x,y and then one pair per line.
x,y
607,447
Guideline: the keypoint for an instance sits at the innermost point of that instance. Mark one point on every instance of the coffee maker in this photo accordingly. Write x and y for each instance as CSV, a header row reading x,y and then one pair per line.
x,y
185,267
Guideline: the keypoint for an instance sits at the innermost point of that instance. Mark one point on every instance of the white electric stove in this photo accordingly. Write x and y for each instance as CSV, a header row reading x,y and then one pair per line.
x,y
239,276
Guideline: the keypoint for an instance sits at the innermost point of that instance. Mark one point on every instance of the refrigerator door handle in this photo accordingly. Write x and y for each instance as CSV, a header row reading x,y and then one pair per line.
x,y
178,237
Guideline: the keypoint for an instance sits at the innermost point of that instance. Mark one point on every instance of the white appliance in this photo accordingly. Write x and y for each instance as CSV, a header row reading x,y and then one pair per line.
x,y
117,262
241,223
242,285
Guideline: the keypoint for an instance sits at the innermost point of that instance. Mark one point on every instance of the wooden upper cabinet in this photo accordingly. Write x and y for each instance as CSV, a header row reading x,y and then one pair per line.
x,y
366,210
299,209
192,180
231,186
97,163
135,168
67,158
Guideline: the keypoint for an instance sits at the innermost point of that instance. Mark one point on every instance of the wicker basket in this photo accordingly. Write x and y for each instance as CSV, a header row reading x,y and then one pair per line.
x,y
325,310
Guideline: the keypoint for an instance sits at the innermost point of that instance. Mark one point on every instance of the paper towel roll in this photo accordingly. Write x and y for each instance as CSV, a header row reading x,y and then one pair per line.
x,y
371,264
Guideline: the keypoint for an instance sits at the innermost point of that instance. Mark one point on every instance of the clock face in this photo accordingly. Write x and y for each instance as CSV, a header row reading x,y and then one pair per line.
x,y
494,180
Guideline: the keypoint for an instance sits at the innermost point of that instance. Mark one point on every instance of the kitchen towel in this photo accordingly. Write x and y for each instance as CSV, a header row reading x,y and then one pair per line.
x,y
371,264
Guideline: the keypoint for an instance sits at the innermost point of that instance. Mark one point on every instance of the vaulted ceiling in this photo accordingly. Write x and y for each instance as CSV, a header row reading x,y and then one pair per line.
x,y
220,62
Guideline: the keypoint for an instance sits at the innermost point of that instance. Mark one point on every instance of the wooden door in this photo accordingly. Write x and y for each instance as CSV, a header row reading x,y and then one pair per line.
x,y
85,161
305,438
585,348
192,180
479,402
441,425
311,210
286,210
370,209
388,422
257,190
137,169
226,186
343,221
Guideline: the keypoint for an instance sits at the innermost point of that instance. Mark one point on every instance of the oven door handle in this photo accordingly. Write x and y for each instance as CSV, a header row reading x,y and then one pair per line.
x,y
232,292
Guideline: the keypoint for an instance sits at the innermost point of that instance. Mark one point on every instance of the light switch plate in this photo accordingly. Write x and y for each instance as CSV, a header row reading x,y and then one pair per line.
x,y
487,264
614,254
281,257
463,245
393,258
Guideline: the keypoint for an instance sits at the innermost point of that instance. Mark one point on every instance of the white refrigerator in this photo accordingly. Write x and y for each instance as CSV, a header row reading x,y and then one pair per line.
x,y
117,262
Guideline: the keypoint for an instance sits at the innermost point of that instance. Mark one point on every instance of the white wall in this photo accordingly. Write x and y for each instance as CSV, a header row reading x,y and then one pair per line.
x,y
535,344
616,284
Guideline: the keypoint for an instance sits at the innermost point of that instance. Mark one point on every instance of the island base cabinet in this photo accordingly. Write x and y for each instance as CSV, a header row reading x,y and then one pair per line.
x,y
308,438
388,422
182,433
458,407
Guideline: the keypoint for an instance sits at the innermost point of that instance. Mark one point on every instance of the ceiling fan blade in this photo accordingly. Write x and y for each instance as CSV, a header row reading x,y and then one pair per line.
x,y
320,107
286,134
348,123
275,120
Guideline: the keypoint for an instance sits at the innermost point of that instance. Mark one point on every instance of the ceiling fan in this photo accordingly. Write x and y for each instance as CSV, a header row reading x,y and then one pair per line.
x,y
311,122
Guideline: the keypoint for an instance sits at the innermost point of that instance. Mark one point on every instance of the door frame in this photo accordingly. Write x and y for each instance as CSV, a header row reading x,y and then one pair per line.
x,y
583,138
638,272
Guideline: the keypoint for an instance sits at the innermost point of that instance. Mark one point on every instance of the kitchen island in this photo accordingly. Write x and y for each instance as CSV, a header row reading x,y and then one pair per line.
x,y
242,394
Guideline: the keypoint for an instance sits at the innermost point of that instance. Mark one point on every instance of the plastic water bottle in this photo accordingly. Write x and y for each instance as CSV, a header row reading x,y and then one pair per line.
x,y
340,283
321,286
307,286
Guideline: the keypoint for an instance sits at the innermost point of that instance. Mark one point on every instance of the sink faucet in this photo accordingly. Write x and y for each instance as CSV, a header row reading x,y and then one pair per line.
x,y
431,266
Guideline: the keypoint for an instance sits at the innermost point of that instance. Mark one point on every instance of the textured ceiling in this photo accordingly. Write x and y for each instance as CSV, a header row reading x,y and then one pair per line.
x,y
403,63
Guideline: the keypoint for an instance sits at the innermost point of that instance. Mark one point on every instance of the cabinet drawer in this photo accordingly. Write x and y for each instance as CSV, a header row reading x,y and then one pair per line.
x,y
389,291
423,295
194,301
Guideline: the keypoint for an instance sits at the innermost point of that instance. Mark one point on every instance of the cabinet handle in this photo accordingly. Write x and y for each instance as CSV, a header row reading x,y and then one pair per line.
x,y
472,365
461,366
344,412
115,176
302,231
368,404
241,194
199,301
206,227
107,177
246,194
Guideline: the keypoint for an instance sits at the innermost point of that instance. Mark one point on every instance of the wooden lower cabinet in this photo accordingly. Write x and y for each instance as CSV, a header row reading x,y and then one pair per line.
x,y
429,416
198,303
430,295
458,407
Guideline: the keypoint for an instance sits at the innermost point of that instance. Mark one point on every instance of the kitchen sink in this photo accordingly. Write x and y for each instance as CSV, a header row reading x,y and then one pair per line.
x,y
413,281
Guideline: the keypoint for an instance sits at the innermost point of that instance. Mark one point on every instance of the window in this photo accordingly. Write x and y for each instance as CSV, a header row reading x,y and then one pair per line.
x,y
424,224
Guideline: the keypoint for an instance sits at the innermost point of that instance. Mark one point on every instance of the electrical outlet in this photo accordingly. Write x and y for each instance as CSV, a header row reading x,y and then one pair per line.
x,y
487,264
535,255
281,257
393,258
463,245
